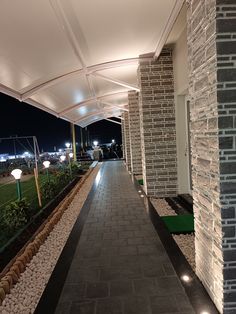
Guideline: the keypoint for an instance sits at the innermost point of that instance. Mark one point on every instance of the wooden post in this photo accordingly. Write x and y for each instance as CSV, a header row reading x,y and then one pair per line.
x,y
81,140
37,186
73,141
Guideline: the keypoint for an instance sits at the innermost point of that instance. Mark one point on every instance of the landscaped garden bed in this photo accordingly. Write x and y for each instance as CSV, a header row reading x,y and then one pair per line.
x,y
50,239
20,219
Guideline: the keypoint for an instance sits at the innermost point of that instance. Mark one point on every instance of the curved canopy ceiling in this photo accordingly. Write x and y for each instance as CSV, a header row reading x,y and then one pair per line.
x,y
77,59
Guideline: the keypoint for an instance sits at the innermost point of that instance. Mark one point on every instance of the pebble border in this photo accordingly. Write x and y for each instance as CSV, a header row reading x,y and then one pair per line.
x,y
25,262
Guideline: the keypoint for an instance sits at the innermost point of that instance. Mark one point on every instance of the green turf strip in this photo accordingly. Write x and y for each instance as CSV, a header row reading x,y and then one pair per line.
x,y
179,224
140,181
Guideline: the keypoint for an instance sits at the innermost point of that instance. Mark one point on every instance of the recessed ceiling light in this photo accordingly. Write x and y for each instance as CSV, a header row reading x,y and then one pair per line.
x,y
142,195
205,312
140,191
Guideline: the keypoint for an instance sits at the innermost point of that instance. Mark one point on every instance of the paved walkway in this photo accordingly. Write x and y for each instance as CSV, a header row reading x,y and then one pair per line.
x,y
120,265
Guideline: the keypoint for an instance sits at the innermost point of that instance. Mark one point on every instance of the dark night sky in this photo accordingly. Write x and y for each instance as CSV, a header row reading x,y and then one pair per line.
x,y
21,119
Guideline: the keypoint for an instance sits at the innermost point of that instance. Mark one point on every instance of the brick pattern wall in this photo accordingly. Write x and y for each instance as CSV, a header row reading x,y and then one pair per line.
x,y
158,134
226,96
127,141
211,27
135,139
123,135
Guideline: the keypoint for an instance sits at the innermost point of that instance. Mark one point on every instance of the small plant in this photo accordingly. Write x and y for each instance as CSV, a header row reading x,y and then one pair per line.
x,y
62,178
75,168
16,214
48,190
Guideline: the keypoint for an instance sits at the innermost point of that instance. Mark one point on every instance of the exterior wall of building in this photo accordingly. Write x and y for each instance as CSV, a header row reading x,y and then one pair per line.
x,y
127,141
123,135
212,74
158,135
134,127
181,92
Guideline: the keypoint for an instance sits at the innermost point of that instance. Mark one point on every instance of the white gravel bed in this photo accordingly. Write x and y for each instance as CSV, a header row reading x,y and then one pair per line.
x,y
185,241
187,245
25,295
162,207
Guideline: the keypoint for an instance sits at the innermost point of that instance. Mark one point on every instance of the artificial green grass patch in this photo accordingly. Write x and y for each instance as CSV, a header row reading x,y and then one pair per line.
x,y
179,224
140,181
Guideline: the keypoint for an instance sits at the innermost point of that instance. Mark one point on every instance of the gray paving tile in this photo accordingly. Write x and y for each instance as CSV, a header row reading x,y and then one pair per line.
x,y
137,305
121,288
80,274
73,292
146,286
97,290
109,306
128,250
169,286
83,308
120,265
164,304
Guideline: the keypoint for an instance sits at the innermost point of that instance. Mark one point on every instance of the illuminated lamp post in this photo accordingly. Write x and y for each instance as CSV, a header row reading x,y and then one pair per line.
x,y
70,156
95,143
46,164
16,173
62,159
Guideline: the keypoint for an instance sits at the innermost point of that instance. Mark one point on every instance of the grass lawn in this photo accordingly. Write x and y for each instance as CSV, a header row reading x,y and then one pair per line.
x,y
8,192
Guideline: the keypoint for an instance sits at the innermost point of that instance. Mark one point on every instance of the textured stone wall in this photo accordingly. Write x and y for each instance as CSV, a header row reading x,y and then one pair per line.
x,y
135,139
123,135
127,141
158,135
212,72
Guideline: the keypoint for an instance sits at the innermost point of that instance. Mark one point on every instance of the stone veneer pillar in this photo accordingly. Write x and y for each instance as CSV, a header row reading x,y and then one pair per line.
x,y
134,128
127,141
157,121
211,28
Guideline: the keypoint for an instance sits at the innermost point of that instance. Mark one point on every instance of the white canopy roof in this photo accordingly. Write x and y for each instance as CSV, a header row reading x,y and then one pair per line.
x,y
77,59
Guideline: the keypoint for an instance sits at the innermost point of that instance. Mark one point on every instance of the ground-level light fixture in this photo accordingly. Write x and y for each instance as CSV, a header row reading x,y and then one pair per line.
x,y
185,278
46,164
67,145
95,143
16,173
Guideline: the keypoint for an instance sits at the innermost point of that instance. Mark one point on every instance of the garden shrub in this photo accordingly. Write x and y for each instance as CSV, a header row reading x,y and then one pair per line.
x,y
75,168
16,214
48,190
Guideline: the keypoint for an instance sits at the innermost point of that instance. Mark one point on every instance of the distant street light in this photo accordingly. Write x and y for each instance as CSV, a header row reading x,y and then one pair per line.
x,y
46,164
71,155
67,145
113,141
16,173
